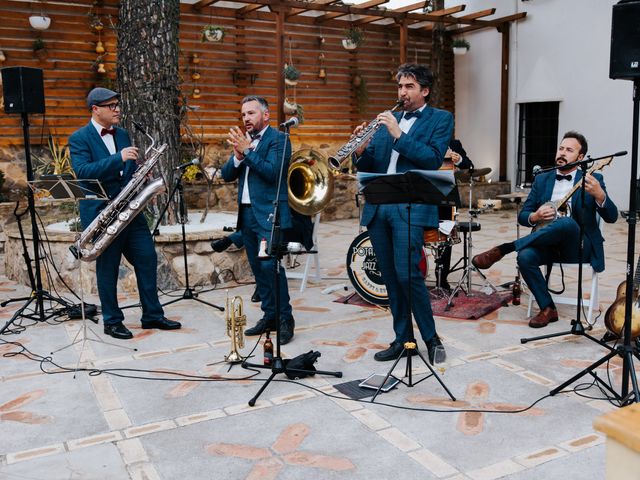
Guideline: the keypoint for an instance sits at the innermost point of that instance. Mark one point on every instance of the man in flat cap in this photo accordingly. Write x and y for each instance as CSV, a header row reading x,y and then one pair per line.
x,y
102,151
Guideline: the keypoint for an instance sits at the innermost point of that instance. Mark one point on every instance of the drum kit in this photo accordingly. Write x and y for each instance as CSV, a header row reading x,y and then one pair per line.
x,y
362,263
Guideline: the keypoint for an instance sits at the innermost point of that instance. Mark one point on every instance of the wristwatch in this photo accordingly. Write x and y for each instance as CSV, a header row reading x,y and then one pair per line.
x,y
246,151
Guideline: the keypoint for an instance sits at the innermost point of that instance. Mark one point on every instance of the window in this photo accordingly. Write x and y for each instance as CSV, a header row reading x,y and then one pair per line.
x,y
537,138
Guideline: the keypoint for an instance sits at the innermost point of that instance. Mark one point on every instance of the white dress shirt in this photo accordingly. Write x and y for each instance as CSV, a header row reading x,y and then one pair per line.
x,y
246,198
405,126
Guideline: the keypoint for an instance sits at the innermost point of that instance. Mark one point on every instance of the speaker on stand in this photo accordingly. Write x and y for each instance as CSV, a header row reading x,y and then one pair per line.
x,y
23,91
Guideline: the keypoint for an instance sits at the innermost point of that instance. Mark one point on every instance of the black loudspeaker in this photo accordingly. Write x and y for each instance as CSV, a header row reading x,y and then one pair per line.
x,y
625,40
23,90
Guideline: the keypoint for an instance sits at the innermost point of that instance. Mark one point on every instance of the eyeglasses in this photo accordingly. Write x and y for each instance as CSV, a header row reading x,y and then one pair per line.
x,y
110,106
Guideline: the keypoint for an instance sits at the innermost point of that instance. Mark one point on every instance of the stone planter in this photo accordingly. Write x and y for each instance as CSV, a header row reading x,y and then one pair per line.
x,y
205,266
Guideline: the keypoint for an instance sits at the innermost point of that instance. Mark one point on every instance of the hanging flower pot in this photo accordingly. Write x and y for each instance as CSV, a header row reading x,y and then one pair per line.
x,y
291,74
354,37
349,44
290,108
39,22
460,46
212,33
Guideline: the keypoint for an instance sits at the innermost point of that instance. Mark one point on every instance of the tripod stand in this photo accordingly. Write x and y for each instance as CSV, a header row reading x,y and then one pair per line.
x,y
407,188
469,227
188,293
275,254
38,294
628,350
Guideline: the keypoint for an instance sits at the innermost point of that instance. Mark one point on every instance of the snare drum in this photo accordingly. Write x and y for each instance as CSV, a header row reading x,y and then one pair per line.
x,y
433,237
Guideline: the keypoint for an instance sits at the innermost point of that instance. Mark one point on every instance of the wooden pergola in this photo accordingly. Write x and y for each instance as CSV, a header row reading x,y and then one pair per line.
x,y
374,12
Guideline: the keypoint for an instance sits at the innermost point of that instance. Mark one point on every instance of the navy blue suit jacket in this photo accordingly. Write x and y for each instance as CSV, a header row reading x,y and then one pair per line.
x,y
264,168
421,148
91,159
541,192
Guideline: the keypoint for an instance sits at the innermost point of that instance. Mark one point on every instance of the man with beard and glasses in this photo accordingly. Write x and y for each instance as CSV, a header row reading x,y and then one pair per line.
x,y
256,162
558,241
101,150
416,138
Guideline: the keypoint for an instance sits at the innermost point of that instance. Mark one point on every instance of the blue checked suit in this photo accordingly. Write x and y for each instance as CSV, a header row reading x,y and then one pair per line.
x,y
422,147
91,159
255,223
559,241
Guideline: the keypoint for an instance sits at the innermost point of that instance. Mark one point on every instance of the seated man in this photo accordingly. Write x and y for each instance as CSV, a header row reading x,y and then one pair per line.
x,y
558,241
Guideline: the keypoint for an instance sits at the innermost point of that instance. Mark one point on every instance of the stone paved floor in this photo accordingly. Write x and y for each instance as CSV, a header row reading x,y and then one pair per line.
x,y
140,415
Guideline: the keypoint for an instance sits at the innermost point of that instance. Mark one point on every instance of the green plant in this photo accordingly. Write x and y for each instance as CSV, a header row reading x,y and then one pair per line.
x,y
355,35
38,44
291,72
56,159
460,43
300,113
212,33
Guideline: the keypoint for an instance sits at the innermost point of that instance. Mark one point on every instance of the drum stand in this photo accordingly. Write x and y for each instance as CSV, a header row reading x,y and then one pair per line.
x,y
465,280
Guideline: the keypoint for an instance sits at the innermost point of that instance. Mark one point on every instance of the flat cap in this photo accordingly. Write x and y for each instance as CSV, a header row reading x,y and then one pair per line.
x,y
99,95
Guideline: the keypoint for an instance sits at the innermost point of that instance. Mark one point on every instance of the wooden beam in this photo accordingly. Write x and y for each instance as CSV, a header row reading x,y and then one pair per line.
x,y
448,11
480,14
203,3
369,4
480,24
367,19
504,99
408,8
280,46
312,7
248,9
404,42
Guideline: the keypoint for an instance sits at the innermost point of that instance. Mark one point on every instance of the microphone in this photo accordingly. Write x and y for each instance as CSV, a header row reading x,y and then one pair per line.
x,y
184,165
620,154
536,170
292,122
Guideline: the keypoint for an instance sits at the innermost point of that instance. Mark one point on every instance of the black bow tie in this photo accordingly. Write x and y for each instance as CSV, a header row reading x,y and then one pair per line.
x,y
255,137
563,177
110,131
415,113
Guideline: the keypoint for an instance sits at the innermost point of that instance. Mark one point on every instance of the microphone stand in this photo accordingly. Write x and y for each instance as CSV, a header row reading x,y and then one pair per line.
x,y
275,254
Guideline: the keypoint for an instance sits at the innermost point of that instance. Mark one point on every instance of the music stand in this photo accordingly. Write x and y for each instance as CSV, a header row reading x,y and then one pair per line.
x,y
65,187
409,187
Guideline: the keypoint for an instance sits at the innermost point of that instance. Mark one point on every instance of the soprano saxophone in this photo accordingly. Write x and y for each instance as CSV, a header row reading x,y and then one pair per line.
x,y
121,211
356,141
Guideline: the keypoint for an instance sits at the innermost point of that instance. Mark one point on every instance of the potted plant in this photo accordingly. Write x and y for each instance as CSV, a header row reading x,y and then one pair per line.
x,y
354,37
291,74
293,108
460,46
40,22
40,49
212,33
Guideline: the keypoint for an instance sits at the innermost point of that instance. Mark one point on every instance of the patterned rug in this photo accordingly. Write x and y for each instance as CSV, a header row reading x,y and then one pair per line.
x,y
469,308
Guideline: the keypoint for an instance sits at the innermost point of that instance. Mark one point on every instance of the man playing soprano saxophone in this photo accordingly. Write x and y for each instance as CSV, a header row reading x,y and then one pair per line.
x,y
414,139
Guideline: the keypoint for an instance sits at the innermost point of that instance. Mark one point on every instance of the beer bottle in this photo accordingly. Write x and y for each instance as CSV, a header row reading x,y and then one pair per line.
x,y
516,290
268,350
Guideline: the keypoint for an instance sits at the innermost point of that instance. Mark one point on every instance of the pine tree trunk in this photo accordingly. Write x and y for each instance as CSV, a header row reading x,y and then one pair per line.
x,y
148,79
437,58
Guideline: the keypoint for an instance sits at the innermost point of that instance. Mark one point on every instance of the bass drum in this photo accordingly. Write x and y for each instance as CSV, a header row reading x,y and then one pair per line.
x,y
362,268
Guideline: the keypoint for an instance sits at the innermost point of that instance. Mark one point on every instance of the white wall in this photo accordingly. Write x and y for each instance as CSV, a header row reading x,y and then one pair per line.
x,y
559,52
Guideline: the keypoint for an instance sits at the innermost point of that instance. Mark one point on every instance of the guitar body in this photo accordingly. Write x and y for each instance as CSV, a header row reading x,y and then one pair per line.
x,y
559,212
614,317
621,292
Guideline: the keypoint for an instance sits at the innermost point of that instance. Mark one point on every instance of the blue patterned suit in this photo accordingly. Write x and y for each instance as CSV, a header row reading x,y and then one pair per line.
x,y
255,222
559,241
422,147
91,160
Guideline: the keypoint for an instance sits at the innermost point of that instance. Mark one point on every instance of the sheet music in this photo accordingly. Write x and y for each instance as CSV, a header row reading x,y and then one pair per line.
x,y
443,180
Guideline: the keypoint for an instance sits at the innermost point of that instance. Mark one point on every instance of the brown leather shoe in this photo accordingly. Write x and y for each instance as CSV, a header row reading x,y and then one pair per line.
x,y
544,317
484,260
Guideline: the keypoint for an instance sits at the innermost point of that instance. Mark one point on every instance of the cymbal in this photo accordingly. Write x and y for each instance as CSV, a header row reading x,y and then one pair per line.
x,y
481,172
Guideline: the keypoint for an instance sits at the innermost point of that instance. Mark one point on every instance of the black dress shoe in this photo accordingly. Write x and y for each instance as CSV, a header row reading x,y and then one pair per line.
x,y
394,351
162,324
262,326
431,348
255,298
221,244
118,330
286,330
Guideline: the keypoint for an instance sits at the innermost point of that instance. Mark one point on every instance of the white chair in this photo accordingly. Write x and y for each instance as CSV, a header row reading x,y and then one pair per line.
x,y
567,299
304,275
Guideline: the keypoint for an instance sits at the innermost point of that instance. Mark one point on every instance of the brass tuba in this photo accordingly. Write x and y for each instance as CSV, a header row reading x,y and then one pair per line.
x,y
236,321
309,182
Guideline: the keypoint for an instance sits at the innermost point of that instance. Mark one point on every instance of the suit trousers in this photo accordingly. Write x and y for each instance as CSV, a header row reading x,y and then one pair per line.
x,y
136,244
263,270
389,237
557,242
